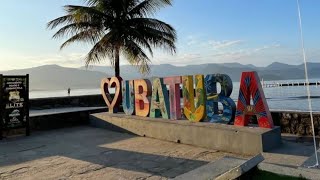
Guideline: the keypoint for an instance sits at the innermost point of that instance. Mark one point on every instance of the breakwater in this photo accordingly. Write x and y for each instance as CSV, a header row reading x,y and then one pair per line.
x,y
317,83
292,122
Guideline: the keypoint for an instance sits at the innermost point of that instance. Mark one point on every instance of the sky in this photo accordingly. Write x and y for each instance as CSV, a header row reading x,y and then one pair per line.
x,y
256,32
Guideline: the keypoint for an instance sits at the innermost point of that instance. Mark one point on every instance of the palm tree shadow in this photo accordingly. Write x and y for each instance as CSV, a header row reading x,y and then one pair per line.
x,y
88,144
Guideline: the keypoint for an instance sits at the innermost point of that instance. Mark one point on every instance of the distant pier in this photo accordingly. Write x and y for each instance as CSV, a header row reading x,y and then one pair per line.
x,y
277,84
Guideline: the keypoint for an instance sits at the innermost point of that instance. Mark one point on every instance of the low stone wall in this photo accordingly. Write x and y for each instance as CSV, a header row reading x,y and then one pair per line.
x,y
227,138
292,122
70,101
62,120
55,121
295,122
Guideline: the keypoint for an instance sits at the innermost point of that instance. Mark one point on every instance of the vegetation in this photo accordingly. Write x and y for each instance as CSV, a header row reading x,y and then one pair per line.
x,y
117,28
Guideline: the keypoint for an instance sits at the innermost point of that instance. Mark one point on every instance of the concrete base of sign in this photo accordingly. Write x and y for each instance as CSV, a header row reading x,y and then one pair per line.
x,y
228,138
225,168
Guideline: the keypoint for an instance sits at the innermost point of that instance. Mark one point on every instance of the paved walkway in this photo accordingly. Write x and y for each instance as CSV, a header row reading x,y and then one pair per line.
x,y
91,153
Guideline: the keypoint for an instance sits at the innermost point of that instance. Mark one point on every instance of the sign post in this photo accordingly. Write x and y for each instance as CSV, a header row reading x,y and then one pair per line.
x,y
14,103
1,104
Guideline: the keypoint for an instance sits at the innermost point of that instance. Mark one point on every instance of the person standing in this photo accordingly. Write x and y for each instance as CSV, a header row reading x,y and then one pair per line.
x,y
69,90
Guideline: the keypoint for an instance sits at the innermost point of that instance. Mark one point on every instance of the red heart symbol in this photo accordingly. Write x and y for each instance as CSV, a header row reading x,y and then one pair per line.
x,y
114,82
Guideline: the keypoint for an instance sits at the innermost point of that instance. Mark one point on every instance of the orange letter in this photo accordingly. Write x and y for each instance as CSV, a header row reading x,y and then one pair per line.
x,y
142,93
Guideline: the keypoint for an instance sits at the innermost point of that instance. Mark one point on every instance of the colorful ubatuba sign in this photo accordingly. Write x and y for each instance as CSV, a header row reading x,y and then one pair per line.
x,y
199,95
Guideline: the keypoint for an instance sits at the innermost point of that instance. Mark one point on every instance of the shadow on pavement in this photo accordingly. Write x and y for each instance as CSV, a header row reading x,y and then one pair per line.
x,y
85,144
291,146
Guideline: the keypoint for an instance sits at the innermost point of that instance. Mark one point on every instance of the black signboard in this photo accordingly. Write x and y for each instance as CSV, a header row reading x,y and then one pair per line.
x,y
14,103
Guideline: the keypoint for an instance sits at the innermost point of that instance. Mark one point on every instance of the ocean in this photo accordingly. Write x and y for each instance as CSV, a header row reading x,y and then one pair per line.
x,y
278,98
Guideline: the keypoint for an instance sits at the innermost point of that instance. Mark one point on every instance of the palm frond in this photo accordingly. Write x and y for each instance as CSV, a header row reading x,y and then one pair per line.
x,y
86,13
148,7
74,28
152,23
113,25
93,2
91,35
160,39
155,32
103,49
136,56
60,21
139,38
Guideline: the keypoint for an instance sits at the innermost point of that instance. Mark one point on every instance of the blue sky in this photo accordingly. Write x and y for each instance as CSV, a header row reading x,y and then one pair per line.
x,y
255,32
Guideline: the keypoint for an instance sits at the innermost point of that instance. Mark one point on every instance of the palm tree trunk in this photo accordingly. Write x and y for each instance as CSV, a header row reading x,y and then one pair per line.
x,y
117,63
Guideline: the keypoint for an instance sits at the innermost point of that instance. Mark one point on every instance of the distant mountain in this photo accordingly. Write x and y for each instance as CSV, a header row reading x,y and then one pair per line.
x,y
163,70
55,77
275,71
279,66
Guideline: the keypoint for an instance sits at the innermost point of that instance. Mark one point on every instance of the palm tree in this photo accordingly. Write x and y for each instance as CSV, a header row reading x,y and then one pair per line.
x,y
117,28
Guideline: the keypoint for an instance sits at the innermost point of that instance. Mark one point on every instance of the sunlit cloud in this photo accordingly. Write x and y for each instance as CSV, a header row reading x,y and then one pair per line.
x,y
267,47
27,61
223,44
261,56
67,60
220,52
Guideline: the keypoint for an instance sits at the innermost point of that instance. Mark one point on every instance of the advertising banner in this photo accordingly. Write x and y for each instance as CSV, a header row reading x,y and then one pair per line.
x,y
14,106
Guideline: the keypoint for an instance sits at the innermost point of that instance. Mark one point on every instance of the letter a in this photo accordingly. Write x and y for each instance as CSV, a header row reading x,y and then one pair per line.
x,y
159,100
142,93
250,87
192,112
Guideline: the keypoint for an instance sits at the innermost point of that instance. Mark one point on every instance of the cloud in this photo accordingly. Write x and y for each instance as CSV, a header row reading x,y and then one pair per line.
x,y
267,47
192,40
244,53
198,41
18,61
220,53
68,60
178,59
253,55
223,44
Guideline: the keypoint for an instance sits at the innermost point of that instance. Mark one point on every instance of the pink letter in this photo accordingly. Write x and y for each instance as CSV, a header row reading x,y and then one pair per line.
x,y
174,96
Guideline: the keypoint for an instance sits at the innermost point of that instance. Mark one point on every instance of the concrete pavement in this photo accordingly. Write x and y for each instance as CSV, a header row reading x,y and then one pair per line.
x,y
92,153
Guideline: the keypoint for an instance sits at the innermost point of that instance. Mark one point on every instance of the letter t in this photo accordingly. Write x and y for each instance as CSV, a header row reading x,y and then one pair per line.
x,y
174,95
